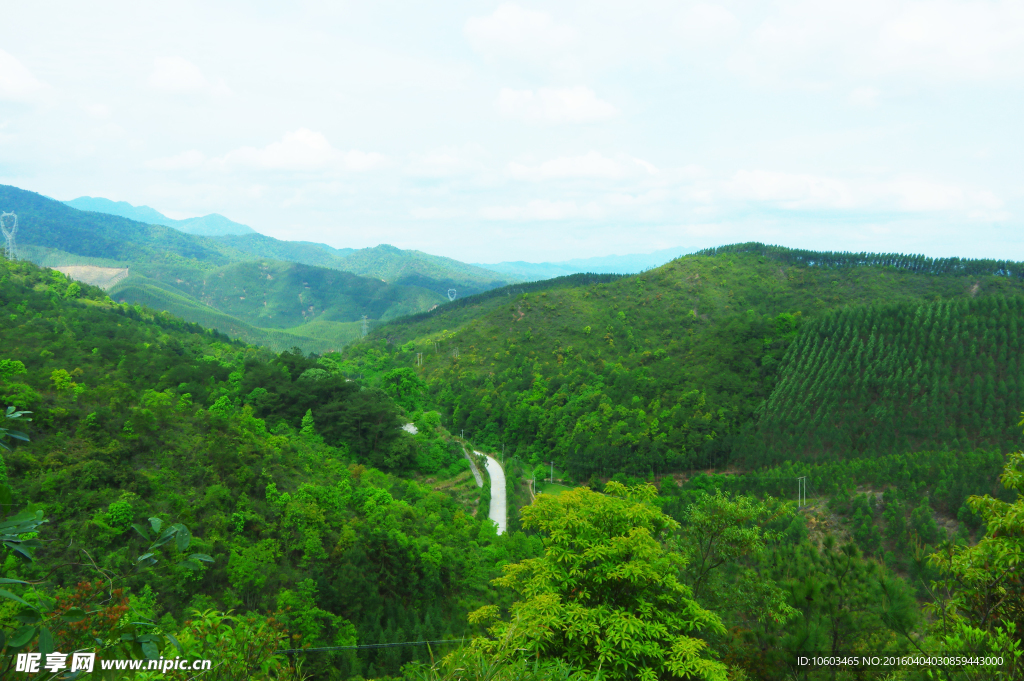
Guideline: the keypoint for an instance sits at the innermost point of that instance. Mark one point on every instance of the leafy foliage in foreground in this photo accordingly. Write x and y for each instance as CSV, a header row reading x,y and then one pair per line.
x,y
604,597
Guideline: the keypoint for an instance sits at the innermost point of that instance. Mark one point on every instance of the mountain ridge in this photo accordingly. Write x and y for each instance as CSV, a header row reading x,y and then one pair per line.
x,y
213,224
606,264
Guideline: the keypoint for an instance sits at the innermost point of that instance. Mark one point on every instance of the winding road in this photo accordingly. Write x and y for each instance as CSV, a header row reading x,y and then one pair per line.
x,y
499,510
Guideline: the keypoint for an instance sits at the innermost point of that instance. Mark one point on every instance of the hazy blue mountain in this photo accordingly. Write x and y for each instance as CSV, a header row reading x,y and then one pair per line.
x,y
123,208
208,225
608,264
213,224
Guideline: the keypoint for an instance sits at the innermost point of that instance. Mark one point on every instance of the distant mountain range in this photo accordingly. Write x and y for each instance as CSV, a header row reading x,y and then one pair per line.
x,y
383,262
251,286
207,225
609,264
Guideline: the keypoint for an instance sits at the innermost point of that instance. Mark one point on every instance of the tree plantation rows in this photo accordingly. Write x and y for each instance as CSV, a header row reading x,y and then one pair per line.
x,y
863,381
911,263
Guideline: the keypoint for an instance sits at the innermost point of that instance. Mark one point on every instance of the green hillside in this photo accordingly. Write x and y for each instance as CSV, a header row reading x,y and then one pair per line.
x,y
257,301
672,369
415,268
387,263
139,290
299,484
279,294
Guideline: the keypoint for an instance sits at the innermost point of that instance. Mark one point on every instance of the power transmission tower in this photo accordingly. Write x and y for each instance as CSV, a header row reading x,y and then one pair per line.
x,y
366,326
9,226
455,353
801,491
451,294
419,359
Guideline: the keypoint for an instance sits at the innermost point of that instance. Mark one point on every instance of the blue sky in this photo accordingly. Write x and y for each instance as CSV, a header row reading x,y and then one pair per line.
x,y
533,131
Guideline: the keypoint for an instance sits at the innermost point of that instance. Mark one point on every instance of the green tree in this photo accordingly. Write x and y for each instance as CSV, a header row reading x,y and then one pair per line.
x,y
719,532
980,603
404,387
605,596
308,424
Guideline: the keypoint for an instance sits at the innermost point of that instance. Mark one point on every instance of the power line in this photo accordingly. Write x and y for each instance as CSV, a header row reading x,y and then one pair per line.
x,y
370,645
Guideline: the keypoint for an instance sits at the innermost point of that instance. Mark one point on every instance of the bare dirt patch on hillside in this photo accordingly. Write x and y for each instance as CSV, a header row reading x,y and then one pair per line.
x,y
104,277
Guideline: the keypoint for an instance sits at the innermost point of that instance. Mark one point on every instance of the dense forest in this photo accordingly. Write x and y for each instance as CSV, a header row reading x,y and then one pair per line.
x,y
170,492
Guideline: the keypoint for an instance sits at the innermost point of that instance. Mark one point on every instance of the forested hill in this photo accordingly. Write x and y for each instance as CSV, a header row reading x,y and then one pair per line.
x,y
675,368
299,484
45,225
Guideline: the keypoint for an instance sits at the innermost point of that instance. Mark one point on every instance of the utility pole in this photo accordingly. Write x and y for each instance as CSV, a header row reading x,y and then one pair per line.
x,y
9,227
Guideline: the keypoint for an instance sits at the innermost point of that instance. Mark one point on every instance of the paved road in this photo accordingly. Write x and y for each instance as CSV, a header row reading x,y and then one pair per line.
x,y
499,510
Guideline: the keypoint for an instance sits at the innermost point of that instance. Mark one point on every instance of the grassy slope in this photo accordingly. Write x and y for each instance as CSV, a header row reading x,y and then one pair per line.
x,y
257,301
383,262
699,323
140,290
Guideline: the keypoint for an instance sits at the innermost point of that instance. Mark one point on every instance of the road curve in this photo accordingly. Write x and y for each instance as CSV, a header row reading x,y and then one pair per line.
x,y
499,510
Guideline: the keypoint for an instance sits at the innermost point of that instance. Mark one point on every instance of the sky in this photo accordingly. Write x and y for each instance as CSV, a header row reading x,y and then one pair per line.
x,y
533,131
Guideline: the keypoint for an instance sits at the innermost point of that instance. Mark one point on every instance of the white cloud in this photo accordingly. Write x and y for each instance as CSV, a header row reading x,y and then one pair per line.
x,y
790,190
915,194
97,110
300,150
177,75
956,38
866,97
565,105
814,42
702,23
590,165
514,31
441,163
186,160
17,84
906,194
542,209
435,213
